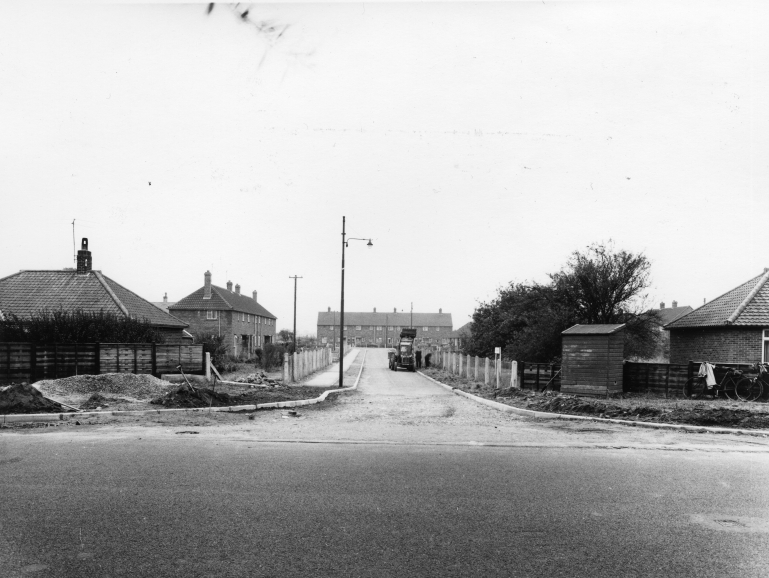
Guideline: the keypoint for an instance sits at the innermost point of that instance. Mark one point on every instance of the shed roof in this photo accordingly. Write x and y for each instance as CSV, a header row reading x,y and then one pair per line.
x,y
28,292
745,305
597,329
385,318
221,300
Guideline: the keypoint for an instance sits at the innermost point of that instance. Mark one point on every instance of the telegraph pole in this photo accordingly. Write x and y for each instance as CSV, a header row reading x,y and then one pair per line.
x,y
295,278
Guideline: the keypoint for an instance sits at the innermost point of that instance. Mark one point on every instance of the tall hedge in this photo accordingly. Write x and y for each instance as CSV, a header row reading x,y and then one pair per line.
x,y
78,326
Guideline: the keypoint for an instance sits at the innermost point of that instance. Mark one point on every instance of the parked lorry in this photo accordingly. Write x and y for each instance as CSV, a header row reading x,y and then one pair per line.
x,y
404,355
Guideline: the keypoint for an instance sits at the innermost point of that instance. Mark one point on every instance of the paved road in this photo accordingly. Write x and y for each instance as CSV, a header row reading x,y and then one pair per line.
x,y
410,480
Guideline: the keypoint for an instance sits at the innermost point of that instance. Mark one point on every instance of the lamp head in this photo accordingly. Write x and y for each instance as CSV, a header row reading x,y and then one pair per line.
x,y
369,244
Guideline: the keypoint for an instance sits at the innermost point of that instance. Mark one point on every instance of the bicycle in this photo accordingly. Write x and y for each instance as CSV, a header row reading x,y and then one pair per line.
x,y
695,387
753,390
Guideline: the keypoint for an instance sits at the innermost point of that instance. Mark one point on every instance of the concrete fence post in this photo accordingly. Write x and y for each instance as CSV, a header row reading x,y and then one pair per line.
x,y
286,371
514,375
208,366
475,377
294,366
486,372
460,356
468,369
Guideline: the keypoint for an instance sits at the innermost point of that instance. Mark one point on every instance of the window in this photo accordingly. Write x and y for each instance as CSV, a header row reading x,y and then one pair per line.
x,y
379,328
391,327
425,329
379,339
437,328
389,340
248,318
357,327
325,340
344,328
766,346
212,314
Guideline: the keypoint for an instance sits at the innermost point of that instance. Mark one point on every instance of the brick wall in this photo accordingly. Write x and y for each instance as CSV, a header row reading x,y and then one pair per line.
x,y
718,345
367,335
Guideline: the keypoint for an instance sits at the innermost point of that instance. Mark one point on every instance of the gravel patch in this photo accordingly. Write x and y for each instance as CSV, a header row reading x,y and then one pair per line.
x,y
141,386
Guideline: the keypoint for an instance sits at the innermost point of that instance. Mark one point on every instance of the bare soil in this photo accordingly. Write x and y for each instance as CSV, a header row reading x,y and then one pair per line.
x,y
632,407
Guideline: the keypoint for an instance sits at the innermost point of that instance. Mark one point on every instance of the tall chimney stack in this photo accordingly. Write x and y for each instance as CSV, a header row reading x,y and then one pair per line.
x,y
207,285
237,289
374,309
675,304
229,286
662,305
254,295
84,260
440,310
329,309
165,298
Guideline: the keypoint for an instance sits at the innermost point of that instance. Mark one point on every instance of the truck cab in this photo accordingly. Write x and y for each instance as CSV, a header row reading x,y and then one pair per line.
x,y
404,354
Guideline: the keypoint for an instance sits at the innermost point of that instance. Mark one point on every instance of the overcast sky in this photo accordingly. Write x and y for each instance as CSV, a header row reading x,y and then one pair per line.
x,y
475,144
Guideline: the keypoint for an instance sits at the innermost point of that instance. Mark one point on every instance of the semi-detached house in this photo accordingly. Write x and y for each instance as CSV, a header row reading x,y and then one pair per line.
x,y
211,310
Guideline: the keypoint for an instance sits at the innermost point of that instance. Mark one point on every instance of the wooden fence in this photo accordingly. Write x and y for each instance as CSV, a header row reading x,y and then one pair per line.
x,y
667,379
31,363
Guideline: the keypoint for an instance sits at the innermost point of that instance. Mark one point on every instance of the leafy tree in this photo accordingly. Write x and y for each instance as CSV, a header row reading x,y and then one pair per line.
x,y
599,285
286,336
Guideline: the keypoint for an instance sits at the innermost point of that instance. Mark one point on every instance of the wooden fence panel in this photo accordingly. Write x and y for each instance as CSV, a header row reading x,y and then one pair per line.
x,y
15,361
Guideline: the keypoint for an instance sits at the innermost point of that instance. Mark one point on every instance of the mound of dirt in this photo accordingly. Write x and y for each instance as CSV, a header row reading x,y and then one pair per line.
x,y
141,386
185,397
23,398
98,401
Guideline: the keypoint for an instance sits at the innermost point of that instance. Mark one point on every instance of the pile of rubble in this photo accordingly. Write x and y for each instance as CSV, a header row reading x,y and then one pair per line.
x,y
258,379
23,398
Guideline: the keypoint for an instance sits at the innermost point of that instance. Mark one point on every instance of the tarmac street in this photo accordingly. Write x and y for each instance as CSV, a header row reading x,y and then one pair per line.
x,y
401,478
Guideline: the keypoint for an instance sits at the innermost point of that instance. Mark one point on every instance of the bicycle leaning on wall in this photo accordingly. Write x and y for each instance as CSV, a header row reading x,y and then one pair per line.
x,y
734,385
755,389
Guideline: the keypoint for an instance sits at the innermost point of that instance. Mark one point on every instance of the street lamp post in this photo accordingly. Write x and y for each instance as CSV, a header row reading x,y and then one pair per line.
x,y
341,312
295,278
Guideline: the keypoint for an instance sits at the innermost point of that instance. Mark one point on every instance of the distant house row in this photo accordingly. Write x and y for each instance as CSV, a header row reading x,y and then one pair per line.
x,y
210,310
382,329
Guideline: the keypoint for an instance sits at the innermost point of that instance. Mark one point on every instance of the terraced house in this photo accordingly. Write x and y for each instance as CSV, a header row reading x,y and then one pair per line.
x,y
214,310
383,329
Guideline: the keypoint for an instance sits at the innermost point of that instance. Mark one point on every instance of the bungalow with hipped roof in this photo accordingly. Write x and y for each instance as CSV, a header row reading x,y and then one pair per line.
x,y
28,292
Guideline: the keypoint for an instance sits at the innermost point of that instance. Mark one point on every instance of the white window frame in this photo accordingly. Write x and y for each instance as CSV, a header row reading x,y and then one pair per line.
x,y
379,328
437,328
211,314
425,329
248,318
764,346
357,328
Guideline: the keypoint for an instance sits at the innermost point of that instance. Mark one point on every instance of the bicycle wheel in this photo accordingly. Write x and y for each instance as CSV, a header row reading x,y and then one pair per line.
x,y
694,387
748,389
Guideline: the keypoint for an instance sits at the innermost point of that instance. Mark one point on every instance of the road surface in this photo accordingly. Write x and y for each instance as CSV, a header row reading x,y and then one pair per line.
x,y
401,478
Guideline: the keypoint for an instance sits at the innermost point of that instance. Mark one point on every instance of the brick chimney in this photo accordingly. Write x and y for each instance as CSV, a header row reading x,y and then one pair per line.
x,y
165,298
662,305
229,286
440,310
84,261
675,304
207,285
237,289
374,309
395,309
329,309
254,295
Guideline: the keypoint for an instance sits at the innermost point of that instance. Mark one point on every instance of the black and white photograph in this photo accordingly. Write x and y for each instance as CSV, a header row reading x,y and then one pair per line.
x,y
390,289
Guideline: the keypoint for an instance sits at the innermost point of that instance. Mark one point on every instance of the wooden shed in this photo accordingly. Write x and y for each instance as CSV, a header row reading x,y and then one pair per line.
x,y
592,359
